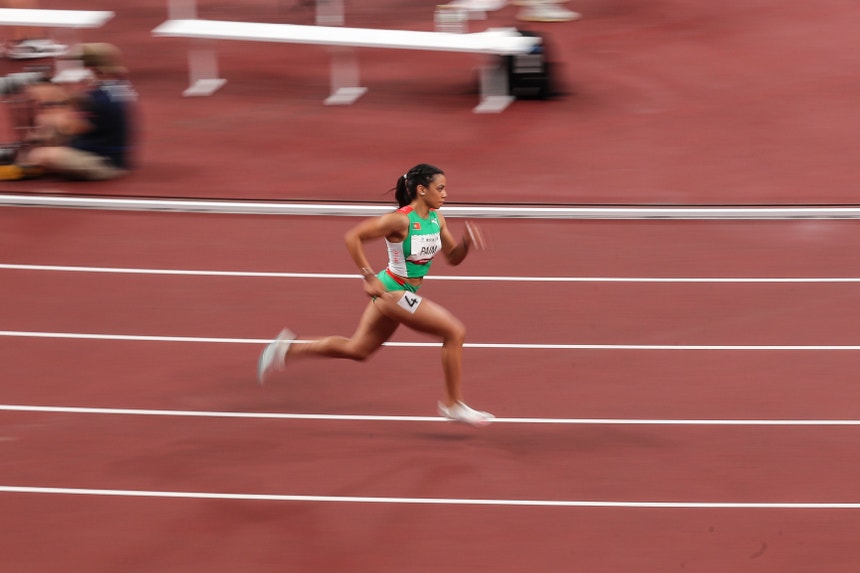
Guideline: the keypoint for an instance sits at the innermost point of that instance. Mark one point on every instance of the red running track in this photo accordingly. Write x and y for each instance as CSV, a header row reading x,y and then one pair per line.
x,y
126,480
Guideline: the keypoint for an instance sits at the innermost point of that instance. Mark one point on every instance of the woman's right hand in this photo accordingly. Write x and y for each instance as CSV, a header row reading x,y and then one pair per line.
x,y
474,237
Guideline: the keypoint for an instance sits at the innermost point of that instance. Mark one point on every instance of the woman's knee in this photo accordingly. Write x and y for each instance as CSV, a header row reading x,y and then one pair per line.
x,y
456,333
361,354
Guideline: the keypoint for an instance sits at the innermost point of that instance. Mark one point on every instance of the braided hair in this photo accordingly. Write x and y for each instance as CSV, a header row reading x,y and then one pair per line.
x,y
407,184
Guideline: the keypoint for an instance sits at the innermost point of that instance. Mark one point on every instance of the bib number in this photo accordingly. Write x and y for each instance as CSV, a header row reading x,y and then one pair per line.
x,y
409,301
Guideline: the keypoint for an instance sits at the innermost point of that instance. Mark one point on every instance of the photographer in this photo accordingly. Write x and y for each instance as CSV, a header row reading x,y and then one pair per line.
x,y
89,134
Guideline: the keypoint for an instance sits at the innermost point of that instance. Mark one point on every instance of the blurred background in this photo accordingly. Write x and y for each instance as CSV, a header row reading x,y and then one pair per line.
x,y
672,102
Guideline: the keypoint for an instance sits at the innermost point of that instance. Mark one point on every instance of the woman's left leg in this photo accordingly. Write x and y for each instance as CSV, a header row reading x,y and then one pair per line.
x,y
424,315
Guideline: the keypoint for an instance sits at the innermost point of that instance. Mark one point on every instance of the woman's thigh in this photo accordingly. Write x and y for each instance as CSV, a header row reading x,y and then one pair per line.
x,y
420,313
374,328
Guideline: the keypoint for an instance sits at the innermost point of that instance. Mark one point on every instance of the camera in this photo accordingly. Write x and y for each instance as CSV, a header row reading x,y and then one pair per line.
x,y
14,82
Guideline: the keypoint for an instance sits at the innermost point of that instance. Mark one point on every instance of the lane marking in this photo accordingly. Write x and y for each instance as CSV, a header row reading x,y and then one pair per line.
x,y
382,418
65,200
425,500
486,278
486,345
168,272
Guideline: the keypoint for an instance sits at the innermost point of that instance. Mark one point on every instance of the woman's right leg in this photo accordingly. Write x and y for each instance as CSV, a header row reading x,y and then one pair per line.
x,y
372,331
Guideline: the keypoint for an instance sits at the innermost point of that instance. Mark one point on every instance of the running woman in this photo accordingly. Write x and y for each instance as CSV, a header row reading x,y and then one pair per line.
x,y
414,234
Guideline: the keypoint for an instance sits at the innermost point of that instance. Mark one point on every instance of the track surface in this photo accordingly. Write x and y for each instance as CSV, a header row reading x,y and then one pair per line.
x,y
605,459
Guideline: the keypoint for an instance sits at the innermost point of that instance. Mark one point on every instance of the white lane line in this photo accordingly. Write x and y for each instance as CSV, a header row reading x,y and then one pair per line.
x,y
169,272
60,199
426,500
478,278
486,345
383,418
131,337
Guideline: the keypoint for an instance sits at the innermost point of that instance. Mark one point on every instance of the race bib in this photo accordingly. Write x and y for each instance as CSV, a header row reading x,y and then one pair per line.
x,y
409,301
423,247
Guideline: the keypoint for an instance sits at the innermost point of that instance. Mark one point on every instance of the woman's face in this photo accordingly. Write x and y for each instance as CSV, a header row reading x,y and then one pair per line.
x,y
434,194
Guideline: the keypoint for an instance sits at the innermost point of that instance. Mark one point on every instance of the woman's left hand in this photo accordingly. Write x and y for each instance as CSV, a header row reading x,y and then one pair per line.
x,y
373,287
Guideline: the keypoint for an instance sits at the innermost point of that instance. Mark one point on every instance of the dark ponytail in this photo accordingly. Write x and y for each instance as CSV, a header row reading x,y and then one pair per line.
x,y
407,184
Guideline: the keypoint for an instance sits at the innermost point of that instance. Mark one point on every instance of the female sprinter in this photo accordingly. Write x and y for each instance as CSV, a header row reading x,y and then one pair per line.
x,y
414,233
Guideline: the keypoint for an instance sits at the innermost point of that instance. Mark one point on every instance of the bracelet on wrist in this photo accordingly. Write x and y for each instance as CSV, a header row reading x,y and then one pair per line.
x,y
367,272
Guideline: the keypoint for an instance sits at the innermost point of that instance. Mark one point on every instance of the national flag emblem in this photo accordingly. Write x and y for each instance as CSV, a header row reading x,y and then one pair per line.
x,y
416,226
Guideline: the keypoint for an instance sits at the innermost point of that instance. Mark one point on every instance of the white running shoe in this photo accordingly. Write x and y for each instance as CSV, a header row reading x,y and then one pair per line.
x,y
535,2
547,13
273,355
32,49
478,5
460,412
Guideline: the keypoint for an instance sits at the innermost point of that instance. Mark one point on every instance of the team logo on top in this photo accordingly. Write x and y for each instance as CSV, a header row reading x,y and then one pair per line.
x,y
416,226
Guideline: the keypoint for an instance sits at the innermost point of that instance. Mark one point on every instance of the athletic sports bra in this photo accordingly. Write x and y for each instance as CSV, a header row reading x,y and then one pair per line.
x,y
413,256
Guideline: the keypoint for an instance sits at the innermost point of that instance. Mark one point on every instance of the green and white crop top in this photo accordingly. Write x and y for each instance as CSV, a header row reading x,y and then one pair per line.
x,y
413,256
